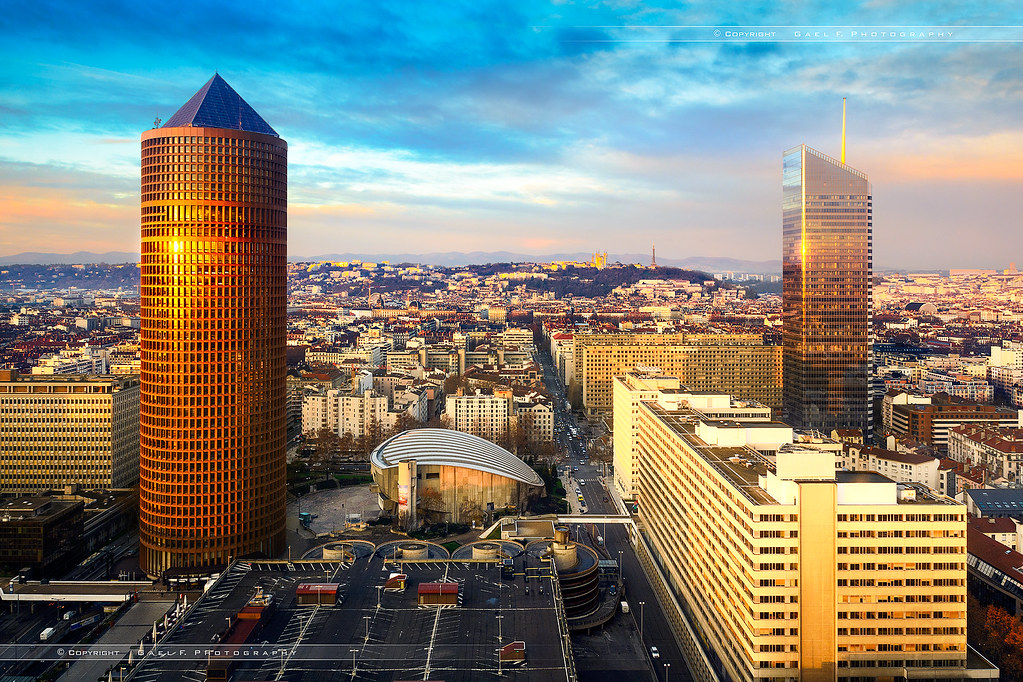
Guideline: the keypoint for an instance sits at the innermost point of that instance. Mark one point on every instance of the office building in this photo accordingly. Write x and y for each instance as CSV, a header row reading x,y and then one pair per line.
x,y
826,292
42,534
736,364
63,430
638,386
214,252
786,569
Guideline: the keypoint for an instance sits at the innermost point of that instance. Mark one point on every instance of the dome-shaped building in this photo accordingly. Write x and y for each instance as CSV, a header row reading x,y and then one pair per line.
x,y
451,474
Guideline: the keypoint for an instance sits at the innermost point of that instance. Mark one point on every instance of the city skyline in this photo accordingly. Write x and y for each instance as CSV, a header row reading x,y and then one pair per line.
x,y
549,128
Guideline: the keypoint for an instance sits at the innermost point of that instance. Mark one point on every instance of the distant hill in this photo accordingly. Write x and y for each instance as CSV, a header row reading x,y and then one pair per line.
x,y
36,258
454,258
708,264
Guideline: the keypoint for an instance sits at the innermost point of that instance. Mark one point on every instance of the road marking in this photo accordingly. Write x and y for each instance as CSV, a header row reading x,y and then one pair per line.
x,y
433,636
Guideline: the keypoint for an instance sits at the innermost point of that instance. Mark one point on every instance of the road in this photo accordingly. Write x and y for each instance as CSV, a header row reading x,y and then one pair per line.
x,y
20,626
584,476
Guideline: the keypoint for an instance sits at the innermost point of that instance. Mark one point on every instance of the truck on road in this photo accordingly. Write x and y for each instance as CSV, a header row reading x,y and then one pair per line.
x,y
625,607
52,634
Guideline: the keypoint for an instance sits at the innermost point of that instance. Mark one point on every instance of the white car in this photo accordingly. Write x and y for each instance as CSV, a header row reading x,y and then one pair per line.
x,y
654,653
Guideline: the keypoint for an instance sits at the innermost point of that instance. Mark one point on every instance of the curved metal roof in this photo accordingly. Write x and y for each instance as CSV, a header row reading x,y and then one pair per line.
x,y
452,448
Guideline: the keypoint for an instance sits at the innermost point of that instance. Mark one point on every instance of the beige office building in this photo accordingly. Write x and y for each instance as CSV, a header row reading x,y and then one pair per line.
x,y
788,570
68,429
736,364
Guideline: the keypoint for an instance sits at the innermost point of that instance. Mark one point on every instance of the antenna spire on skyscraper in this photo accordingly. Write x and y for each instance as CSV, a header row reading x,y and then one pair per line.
x,y
843,130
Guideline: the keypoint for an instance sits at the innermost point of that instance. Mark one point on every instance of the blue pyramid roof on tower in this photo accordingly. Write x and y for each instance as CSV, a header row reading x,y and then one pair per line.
x,y
217,105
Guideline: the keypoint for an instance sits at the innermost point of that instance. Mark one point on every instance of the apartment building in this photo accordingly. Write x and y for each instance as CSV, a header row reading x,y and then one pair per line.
x,y
786,569
484,414
999,449
360,414
68,429
901,467
735,364
493,414
86,360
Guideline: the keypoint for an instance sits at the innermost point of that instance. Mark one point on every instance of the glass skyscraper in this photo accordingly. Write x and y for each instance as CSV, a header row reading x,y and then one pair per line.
x,y
212,413
826,296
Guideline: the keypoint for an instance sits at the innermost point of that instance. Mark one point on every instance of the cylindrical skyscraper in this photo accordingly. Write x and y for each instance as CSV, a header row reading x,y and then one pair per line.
x,y
214,300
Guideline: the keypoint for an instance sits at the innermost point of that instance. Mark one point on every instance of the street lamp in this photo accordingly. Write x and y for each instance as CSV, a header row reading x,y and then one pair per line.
x,y
367,619
667,666
641,604
354,651
620,553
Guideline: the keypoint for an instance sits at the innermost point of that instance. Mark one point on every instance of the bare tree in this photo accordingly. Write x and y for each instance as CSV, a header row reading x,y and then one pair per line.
x,y
328,444
471,510
429,504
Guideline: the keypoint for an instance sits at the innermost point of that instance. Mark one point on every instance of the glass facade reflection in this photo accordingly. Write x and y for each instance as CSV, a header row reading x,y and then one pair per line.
x,y
212,414
826,244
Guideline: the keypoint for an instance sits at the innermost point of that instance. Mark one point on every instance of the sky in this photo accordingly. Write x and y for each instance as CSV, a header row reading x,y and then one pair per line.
x,y
532,127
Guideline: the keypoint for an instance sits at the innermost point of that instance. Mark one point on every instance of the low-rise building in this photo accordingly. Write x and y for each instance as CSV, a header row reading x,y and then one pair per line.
x,y
40,533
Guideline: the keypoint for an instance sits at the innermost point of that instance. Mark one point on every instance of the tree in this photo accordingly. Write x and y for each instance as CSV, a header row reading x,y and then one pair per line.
x,y
429,504
438,422
404,422
347,444
470,510
328,444
998,635
452,383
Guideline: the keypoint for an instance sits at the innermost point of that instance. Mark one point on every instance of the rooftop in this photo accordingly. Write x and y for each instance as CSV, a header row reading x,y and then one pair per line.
x,y
893,456
742,466
1003,501
385,635
217,105
861,477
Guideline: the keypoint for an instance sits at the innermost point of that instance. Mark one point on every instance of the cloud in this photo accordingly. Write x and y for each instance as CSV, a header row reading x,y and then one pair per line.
x,y
507,125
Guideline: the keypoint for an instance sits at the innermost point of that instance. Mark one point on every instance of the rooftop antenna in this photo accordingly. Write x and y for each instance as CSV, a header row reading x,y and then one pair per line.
x,y
653,255
157,122
843,130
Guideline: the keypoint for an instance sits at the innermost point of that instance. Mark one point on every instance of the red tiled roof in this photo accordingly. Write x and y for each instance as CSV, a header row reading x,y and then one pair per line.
x,y
994,553
892,455
993,525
